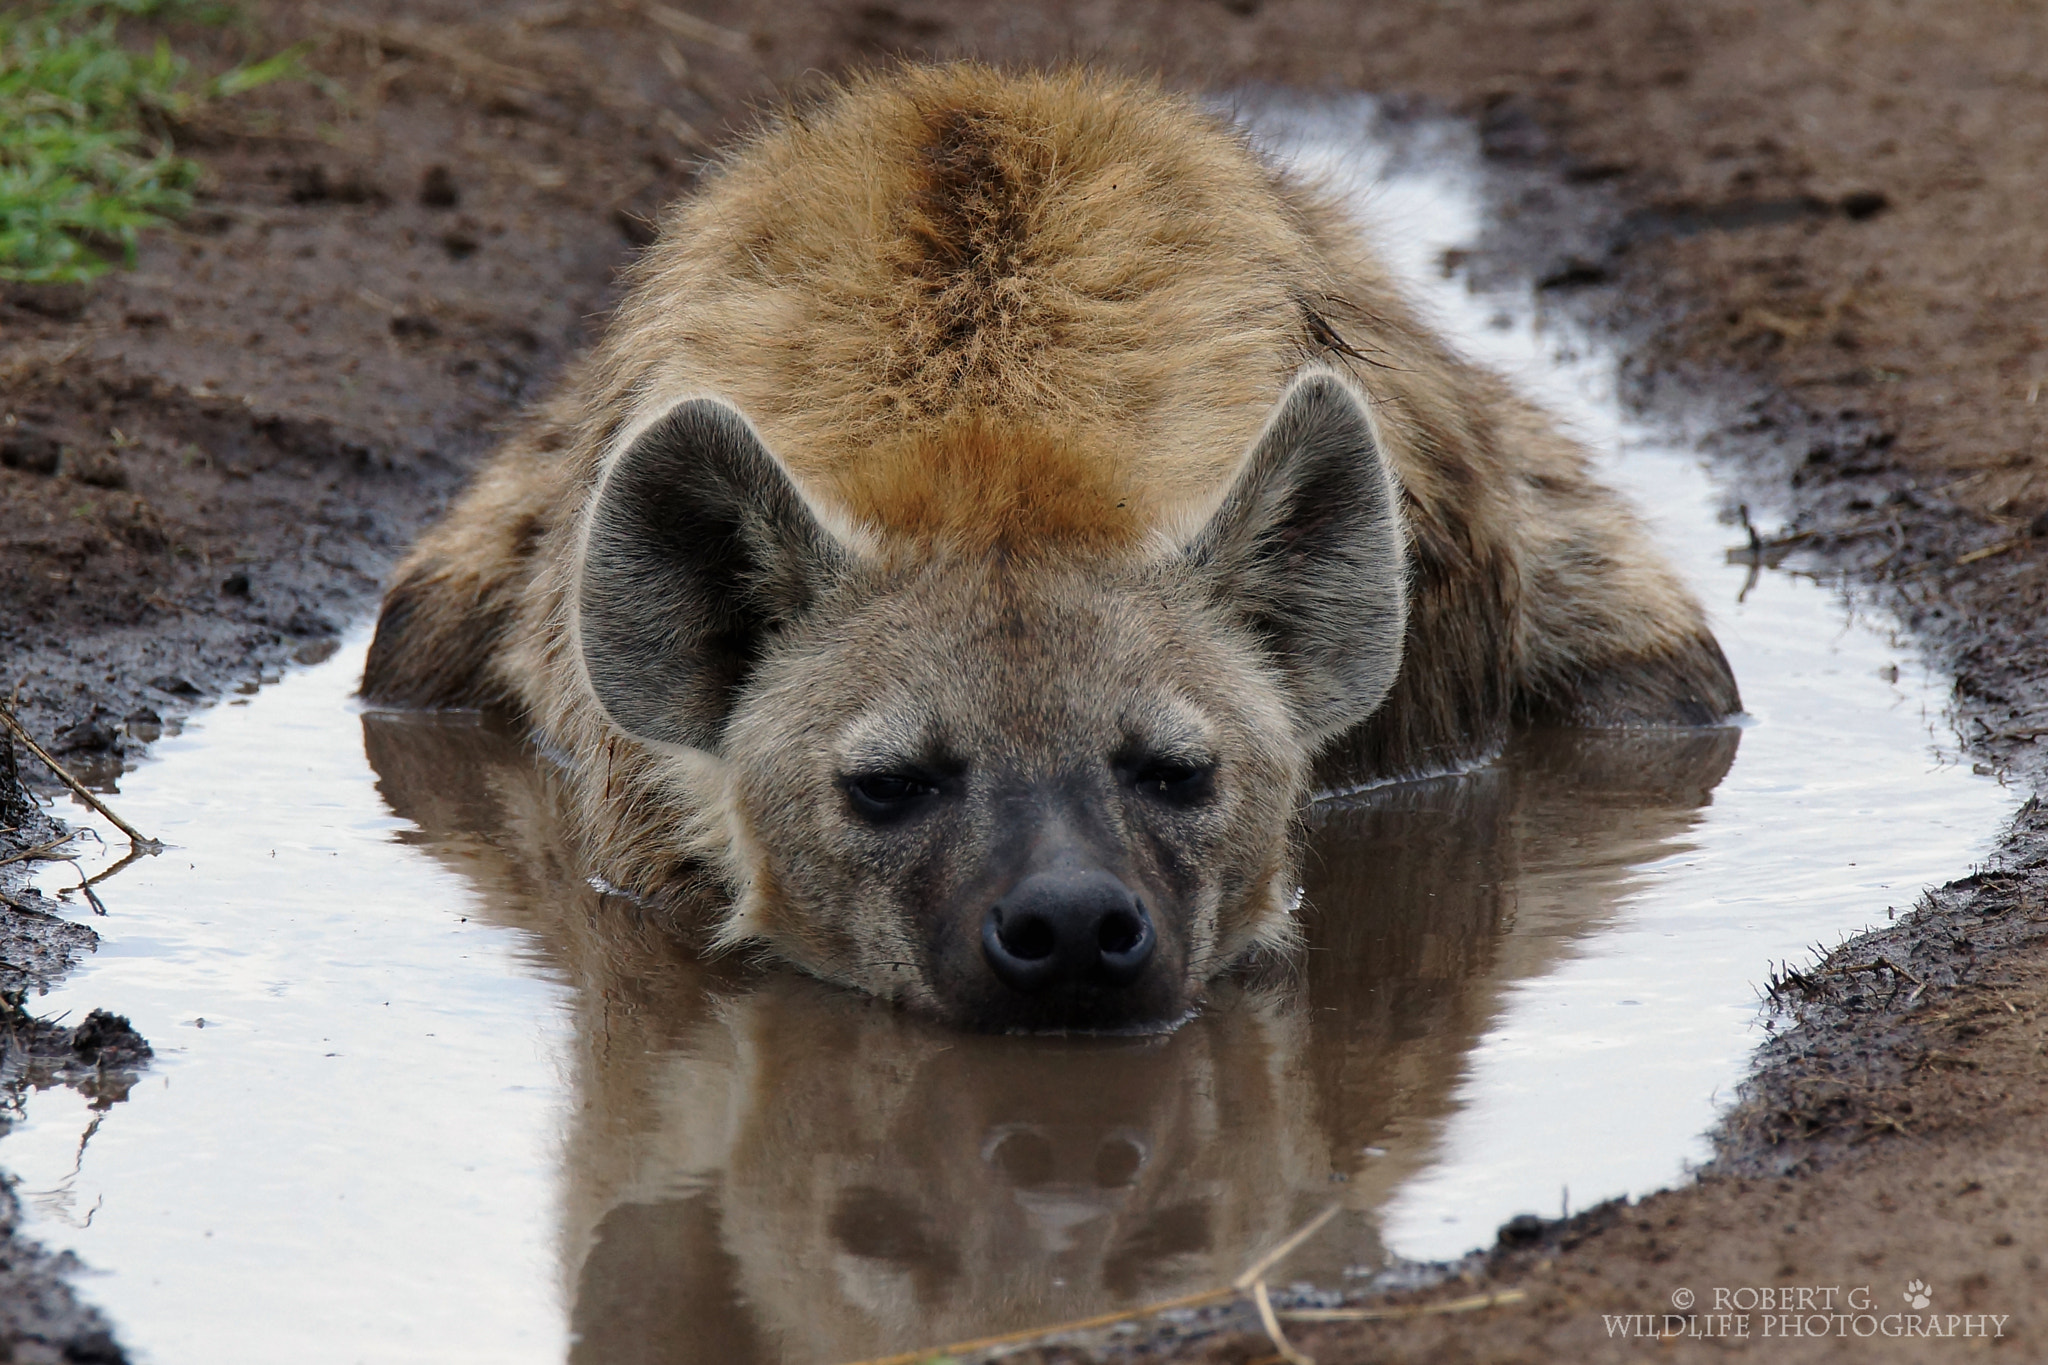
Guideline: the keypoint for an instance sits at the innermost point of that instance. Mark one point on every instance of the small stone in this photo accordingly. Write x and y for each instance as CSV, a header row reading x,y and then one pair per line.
x,y
1574,272
305,622
87,736
109,1040
438,189
96,468
316,651
414,327
30,451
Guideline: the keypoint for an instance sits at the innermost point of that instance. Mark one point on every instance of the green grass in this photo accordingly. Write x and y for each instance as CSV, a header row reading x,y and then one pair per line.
x,y
86,161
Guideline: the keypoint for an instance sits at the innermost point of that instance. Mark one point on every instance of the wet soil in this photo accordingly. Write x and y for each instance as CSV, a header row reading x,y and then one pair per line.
x,y
1816,229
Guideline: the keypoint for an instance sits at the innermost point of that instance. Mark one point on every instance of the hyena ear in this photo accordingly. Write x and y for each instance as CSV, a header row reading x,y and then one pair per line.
x,y
1310,546
698,545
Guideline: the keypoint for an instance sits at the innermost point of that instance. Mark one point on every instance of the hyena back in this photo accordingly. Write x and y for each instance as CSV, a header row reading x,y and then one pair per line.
x,y
979,530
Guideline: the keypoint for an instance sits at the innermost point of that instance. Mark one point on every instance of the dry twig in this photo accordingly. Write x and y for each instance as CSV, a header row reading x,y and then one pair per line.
x,y
1253,1283
37,854
1272,1326
135,836
692,29
961,1348
1476,1302
1989,550
1256,1271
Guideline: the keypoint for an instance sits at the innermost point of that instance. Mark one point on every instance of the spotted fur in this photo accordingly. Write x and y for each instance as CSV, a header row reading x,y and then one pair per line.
x,y
1006,353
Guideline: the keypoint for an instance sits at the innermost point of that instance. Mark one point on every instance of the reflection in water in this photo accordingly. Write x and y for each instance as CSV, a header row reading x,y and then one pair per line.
x,y
760,1167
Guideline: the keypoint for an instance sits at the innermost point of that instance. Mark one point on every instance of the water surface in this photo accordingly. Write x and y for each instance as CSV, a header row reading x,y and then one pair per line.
x,y
423,1093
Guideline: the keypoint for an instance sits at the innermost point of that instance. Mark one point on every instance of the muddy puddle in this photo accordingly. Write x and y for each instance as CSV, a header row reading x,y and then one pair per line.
x,y
421,1092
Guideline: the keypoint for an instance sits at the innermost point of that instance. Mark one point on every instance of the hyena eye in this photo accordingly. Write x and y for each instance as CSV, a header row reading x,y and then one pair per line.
x,y
882,797
1181,781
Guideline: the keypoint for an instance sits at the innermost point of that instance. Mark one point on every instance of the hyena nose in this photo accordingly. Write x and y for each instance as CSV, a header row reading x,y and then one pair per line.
x,y
1068,929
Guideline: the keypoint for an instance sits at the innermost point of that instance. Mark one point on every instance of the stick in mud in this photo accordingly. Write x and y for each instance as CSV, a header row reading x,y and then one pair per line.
x,y
1256,1271
135,836
1473,1304
1272,1326
1254,1281
38,852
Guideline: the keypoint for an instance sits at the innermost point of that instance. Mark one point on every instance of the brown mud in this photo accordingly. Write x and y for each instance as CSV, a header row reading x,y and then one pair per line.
x,y
1815,229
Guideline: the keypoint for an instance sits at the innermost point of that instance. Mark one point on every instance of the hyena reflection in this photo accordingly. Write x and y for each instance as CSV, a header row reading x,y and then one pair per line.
x,y
757,1167
996,503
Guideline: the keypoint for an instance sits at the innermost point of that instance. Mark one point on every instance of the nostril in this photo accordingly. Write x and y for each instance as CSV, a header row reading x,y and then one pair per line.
x,y
1028,937
1021,948
1124,941
1119,932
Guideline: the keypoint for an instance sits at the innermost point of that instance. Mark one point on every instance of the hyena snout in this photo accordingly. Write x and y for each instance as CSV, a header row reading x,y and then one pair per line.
x,y
1064,929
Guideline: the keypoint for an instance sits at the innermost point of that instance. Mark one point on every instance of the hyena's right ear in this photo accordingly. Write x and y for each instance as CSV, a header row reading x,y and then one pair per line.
x,y
1310,547
697,546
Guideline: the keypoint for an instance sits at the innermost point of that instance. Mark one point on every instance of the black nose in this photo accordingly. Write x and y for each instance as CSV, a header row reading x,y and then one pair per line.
x,y
1064,929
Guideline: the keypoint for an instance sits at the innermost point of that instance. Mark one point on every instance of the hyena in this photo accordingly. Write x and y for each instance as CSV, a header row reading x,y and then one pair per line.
x,y
999,501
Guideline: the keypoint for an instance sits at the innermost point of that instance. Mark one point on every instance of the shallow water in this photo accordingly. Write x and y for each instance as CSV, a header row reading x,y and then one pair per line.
x,y
449,1102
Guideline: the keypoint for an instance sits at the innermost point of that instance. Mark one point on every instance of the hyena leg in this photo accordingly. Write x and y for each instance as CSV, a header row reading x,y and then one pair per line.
x,y
444,621
1609,636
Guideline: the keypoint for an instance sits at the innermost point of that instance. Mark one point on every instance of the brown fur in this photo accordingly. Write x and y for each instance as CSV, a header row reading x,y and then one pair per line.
x,y
975,485
976,314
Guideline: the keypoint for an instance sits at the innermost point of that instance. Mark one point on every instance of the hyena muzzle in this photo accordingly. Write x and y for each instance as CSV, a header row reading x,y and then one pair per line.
x,y
978,534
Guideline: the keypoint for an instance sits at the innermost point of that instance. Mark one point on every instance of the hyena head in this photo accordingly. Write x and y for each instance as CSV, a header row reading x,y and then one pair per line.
x,y
1021,786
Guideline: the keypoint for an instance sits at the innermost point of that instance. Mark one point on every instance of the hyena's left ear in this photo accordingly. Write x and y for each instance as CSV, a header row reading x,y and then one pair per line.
x,y
1310,547
698,546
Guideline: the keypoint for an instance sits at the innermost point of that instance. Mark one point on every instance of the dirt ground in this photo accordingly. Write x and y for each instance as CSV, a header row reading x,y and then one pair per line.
x,y
1818,227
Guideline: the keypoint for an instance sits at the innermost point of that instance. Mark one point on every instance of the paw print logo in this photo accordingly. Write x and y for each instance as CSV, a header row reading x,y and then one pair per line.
x,y
1918,1295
